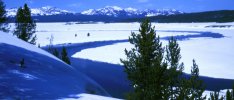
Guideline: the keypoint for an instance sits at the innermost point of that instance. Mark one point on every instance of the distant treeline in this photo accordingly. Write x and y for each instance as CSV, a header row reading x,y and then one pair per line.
x,y
209,16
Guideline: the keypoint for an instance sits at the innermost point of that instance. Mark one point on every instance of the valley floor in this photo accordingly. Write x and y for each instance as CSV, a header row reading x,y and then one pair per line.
x,y
98,54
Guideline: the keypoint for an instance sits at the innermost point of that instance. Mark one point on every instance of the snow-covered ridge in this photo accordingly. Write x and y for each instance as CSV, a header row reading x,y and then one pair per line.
x,y
47,10
11,40
117,11
108,11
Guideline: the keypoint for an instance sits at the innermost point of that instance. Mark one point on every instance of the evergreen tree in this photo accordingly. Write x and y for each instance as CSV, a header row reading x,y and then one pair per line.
x,y
3,18
197,87
228,95
184,90
25,25
155,76
232,93
215,96
64,56
175,68
56,53
144,65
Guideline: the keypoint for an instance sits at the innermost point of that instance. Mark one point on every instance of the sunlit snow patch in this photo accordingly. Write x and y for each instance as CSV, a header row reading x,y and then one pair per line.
x,y
109,54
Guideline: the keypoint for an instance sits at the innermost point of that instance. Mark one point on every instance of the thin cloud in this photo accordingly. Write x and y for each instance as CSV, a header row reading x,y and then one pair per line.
x,y
75,5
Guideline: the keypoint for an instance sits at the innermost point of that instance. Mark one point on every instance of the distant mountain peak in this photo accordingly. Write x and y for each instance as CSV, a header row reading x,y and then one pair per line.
x,y
114,8
130,9
48,7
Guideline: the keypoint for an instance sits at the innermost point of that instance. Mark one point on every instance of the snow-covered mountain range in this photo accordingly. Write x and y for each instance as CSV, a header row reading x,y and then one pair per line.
x,y
113,11
43,11
118,11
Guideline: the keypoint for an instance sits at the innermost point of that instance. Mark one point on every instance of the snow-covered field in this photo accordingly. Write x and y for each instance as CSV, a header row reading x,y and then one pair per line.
x,y
213,55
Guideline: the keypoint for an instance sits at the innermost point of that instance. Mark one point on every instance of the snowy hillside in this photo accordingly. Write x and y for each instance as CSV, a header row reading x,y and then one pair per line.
x,y
42,76
10,40
118,11
43,11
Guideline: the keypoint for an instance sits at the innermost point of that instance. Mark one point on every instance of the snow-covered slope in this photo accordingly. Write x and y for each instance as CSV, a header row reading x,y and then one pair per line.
x,y
9,39
118,11
41,77
43,11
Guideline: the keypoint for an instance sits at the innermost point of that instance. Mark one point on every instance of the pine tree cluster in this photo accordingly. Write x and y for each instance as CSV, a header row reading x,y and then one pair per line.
x,y
155,71
25,25
3,18
63,55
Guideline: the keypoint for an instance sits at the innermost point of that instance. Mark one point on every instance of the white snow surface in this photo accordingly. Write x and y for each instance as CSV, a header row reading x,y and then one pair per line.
x,y
24,75
214,56
84,96
64,33
11,40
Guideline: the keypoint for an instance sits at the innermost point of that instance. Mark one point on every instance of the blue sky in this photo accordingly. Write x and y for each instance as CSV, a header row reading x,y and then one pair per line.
x,y
80,5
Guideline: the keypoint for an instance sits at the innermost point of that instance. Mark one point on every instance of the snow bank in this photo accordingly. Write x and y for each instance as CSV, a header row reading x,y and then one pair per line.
x,y
42,77
11,40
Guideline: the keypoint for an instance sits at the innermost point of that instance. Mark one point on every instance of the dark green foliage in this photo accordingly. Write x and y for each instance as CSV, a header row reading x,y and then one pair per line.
x,y
208,16
3,18
155,75
25,26
228,95
64,56
173,53
56,53
215,96
144,65
232,93
197,87
175,68
184,90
